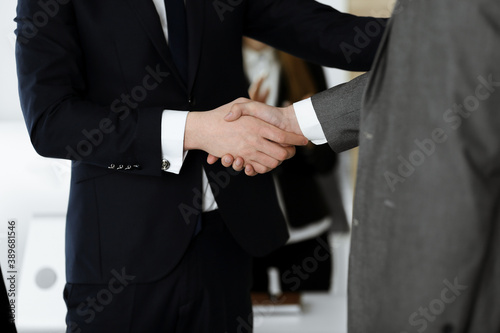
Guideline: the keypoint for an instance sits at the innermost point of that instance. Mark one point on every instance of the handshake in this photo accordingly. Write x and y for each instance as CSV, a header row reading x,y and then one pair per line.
x,y
246,135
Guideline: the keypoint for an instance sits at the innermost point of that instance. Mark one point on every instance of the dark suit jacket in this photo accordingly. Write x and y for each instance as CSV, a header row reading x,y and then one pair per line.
x,y
94,80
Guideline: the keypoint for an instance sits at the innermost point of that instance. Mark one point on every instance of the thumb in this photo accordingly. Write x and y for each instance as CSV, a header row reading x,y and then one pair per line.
x,y
235,113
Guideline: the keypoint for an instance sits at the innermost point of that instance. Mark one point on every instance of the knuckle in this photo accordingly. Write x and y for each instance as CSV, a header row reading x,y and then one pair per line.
x,y
258,168
246,153
283,155
236,109
275,164
277,136
280,137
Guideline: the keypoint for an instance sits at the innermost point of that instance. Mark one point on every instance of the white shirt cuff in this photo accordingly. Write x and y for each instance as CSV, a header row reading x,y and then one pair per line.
x,y
308,122
173,126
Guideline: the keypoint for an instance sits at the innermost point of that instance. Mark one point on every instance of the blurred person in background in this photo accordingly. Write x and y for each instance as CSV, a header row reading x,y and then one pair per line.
x,y
279,79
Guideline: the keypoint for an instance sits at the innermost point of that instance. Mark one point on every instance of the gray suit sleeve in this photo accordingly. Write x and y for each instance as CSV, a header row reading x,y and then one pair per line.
x,y
338,110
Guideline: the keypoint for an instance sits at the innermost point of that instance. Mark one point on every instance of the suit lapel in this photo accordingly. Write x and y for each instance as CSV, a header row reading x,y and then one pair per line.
x,y
195,18
148,16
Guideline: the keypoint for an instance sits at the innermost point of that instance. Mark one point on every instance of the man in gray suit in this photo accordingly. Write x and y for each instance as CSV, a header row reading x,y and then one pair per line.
x,y
425,253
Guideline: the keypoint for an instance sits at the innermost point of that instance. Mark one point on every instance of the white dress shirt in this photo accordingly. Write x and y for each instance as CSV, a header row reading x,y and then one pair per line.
x,y
308,122
173,126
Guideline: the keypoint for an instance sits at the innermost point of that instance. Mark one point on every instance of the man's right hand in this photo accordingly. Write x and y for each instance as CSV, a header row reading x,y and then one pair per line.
x,y
260,143
283,118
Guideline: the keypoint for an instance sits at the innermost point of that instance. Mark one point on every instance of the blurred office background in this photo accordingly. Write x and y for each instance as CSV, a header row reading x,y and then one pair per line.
x,y
34,192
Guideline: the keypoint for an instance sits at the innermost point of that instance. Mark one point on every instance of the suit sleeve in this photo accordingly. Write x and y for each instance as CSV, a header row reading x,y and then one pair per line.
x,y
338,110
62,121
315,32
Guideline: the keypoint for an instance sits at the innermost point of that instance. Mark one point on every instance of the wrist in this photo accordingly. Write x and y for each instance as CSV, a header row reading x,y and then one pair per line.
x,y
193,134
293,124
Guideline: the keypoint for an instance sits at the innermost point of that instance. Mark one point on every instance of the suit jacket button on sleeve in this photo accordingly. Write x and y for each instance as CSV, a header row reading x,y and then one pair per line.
x,y
128,167
165,165
120,167
112,166
136,166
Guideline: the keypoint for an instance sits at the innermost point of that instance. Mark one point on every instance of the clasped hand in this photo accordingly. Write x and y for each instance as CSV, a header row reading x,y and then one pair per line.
x,y
246,134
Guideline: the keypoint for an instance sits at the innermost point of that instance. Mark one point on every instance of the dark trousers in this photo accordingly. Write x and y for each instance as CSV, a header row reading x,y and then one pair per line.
x,y
209,291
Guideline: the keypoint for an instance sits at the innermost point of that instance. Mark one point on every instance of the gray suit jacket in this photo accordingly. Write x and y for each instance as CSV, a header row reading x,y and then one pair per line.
x,y
425,250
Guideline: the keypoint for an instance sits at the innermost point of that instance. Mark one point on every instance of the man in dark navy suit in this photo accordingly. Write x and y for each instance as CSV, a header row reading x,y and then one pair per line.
x,y
157,240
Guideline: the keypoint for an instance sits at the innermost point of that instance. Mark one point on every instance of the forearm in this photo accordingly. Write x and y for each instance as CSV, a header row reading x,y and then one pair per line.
x,y
62,119
84,132
316,32
338,110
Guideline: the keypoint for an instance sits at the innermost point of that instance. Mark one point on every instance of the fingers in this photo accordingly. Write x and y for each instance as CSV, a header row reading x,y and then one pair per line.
x,y
258,143
227,160
283,137
249,171
262,111
238,164
262,163
211,159
290,151
234,114
274,153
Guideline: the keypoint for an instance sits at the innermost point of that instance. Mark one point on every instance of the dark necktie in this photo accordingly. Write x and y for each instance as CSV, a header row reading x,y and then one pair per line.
x,y
178,34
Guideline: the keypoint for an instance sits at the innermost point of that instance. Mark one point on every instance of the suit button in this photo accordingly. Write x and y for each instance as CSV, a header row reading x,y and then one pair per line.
x,y
128,167
165,165
136,166
120,167
112,166
191,101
